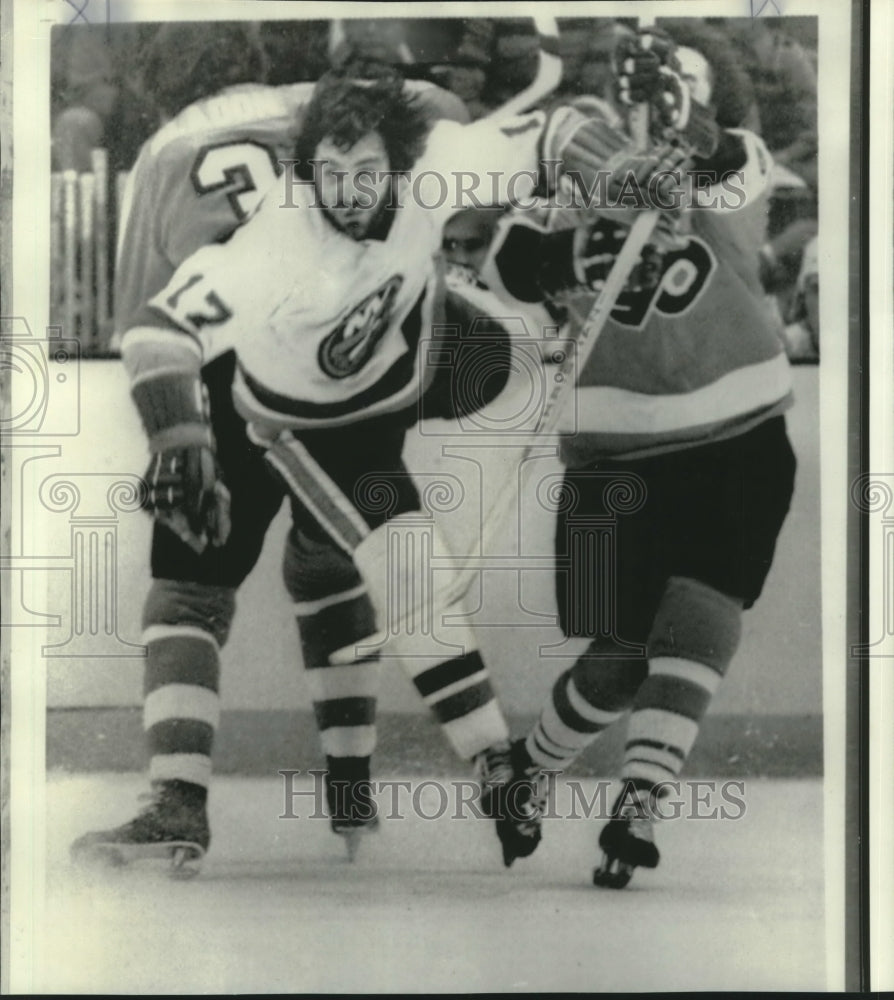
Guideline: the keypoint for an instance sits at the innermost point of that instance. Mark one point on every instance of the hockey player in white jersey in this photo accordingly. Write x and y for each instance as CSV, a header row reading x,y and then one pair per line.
x,y
218,151
198,179
324,294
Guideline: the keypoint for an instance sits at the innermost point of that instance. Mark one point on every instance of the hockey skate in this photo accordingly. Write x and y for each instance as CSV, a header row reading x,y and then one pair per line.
x,y
353,814
511,796
627,840
173,828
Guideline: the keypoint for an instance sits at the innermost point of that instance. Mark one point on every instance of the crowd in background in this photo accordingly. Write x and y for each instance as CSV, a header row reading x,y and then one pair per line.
x,y
107,80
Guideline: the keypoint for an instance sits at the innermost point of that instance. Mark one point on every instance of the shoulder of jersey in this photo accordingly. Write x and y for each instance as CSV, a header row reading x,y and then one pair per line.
x,y
232,110
758,159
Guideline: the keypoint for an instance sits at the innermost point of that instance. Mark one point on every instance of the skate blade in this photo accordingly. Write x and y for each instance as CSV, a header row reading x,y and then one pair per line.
x,y
183,857
612,873
353,836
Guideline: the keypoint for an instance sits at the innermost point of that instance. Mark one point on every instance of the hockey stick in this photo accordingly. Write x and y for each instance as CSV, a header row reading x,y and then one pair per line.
x,y
585,342
639,235
563,384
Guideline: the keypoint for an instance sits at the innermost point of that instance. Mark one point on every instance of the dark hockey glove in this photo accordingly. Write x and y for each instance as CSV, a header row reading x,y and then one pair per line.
x,y
185,493
639,60
184,490
649,73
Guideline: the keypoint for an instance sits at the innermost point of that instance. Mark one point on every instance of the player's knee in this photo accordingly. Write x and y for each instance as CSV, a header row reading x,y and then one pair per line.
x,y
392,560
198,605
314,569
698,623
332,607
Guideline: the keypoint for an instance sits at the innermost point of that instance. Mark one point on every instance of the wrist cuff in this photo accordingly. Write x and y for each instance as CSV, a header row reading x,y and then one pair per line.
x,y
181,436
169,398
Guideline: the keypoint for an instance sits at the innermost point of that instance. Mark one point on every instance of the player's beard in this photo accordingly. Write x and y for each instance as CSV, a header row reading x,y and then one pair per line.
x,y
354,222
359,222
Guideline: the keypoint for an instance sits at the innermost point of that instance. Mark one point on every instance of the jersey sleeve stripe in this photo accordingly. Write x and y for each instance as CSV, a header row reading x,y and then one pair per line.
x,y
608,409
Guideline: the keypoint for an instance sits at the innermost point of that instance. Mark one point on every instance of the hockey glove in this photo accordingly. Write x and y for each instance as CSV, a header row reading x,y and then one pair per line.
x,y
649,73
600,159
645,67
185,494
184,490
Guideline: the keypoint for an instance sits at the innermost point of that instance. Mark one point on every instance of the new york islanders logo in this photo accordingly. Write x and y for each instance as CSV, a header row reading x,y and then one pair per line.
x,y
347,349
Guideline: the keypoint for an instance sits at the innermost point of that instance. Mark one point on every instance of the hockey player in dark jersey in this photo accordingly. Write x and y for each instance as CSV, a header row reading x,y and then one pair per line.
x,y
323,294
680,443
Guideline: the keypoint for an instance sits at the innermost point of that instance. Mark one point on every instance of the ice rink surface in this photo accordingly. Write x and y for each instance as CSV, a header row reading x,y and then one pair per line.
x,y
428,906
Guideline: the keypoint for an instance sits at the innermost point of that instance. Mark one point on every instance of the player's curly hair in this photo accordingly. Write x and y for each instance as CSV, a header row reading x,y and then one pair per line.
x,y
732,92
356,98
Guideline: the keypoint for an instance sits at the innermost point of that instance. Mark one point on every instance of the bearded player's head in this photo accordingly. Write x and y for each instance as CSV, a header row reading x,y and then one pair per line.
x,y
360,128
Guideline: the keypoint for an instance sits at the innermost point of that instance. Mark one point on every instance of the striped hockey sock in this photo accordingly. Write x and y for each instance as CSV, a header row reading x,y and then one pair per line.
x,y
181,707
665,721
584,700
459,692
693,640
344,696
444,663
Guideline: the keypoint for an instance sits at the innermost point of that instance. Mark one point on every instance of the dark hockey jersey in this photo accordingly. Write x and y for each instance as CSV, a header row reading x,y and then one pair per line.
x,y
697,358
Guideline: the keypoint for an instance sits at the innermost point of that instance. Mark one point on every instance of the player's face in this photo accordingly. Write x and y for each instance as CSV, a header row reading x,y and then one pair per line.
x,y
697,73
467,237
354,184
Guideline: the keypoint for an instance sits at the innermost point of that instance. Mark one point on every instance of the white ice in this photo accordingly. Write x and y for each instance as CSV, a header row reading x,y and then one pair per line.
x,y
428,905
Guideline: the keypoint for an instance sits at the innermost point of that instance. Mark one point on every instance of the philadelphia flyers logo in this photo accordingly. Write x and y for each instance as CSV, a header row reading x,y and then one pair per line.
x,y
350,345
684,277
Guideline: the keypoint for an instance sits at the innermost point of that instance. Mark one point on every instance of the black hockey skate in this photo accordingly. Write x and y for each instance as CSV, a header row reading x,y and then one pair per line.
x,y
353,813
627,840
173,828
511,796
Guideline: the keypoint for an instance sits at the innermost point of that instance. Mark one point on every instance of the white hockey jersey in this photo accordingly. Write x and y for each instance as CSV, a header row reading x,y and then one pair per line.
x,y
203,174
